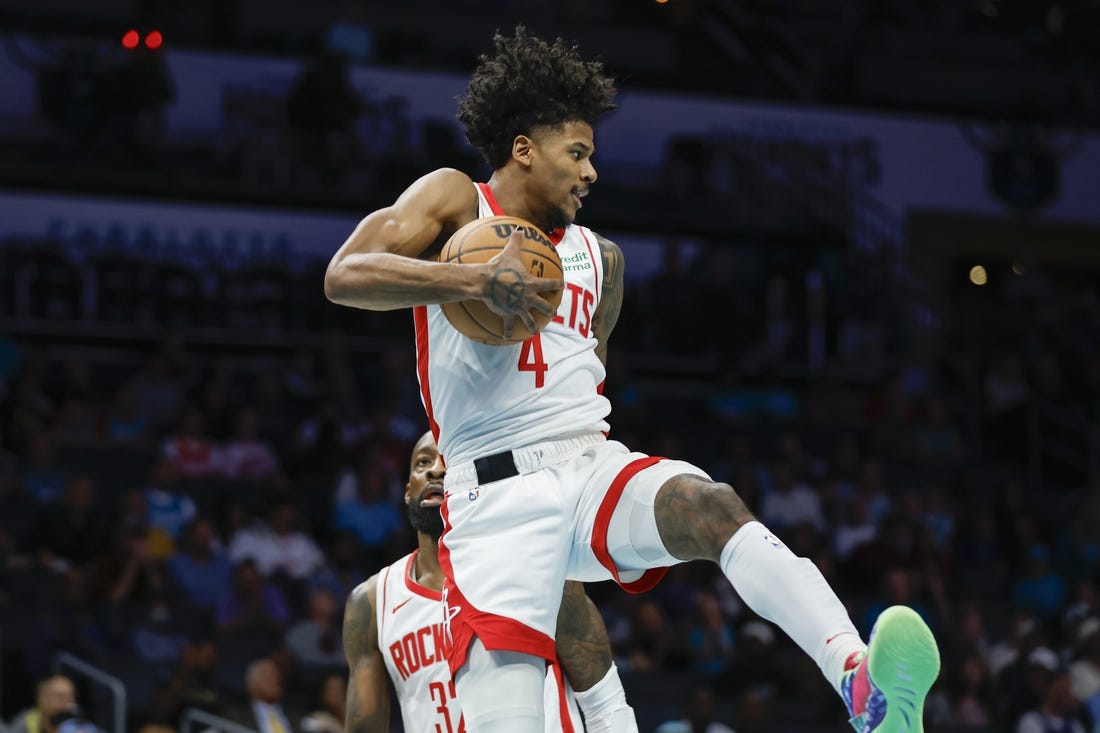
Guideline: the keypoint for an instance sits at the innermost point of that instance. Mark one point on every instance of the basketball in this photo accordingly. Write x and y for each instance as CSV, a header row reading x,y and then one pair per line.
x,y
480,241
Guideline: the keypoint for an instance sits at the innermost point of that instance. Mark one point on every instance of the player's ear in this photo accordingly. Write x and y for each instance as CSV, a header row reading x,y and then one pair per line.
x,y
522,148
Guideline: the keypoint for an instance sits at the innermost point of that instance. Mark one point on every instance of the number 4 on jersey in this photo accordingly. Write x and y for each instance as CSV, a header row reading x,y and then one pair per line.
x,y
530,359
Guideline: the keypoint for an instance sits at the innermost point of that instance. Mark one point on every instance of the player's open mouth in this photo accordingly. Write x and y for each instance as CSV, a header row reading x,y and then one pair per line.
x,y
432,495
578,195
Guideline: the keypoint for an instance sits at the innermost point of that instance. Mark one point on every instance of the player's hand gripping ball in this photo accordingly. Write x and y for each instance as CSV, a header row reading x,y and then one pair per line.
x,y
480,241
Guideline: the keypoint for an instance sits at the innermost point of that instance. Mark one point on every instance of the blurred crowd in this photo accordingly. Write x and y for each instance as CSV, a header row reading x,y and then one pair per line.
x,y
191,517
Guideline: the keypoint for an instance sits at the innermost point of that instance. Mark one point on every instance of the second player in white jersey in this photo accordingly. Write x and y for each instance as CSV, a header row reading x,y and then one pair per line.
x,y
552,381
410,638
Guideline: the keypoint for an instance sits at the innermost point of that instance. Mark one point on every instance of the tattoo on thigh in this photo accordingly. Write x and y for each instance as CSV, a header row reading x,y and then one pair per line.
x,y
696,517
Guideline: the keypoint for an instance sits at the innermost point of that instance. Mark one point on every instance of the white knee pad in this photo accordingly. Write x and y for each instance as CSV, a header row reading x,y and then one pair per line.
x,y
501,692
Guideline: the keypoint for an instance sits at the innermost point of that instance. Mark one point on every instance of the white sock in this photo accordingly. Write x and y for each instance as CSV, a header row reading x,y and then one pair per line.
x,y
792,593
604,707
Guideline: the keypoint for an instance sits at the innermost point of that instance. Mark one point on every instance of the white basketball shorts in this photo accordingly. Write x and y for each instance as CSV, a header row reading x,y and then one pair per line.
x,y
580,508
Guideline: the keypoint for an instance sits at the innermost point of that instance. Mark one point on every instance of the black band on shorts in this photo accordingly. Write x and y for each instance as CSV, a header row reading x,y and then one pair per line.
x,y
496,467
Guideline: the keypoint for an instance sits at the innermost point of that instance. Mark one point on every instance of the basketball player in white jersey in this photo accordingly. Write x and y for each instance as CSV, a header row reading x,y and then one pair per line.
x,y
393,636
535,492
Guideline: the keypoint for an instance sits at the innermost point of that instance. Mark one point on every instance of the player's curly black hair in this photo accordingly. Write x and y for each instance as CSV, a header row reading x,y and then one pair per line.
x,y
527,83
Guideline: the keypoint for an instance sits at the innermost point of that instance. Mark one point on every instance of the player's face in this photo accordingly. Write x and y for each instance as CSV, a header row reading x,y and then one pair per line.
x,y
424,491
564,169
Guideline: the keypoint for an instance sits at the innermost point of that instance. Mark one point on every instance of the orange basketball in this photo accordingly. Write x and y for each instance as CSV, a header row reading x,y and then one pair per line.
x,y
480,241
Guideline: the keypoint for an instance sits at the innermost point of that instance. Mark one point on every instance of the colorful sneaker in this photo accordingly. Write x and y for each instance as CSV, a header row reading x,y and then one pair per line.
x,y
885,687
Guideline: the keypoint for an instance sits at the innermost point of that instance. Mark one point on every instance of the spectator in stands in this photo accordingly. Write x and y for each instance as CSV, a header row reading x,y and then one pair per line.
x,y
27,411
252,605
1038,589
1077,553
127,421
278,546
1019,641
127,576
192,453
1084,672
753,710
369,512
710,638
161,391
168,510
791,502
272,410
44,476
936,437
332,697
201,568
302,384
264,711
317,640
649,645
73,622
323,441
899,587
74,530
55,694
159,634
871,488
344,567
192,684
246,455
18,510
853,527
698,717
756,661
1056,711
213,399
972,699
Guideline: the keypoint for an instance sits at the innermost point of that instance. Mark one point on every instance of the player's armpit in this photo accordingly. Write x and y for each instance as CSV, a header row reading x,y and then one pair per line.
x,y
611,295
583,647
368,705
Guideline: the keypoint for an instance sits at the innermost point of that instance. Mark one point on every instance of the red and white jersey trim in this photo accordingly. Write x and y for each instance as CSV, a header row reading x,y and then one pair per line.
x,y
483,399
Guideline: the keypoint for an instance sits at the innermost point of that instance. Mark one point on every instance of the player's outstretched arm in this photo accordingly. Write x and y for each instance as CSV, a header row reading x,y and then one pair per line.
x,y
585,655
583,647
389,261
368,708
611,295
379,267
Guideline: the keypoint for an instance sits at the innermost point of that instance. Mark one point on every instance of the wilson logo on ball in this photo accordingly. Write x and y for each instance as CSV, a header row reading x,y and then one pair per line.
x,y
481,240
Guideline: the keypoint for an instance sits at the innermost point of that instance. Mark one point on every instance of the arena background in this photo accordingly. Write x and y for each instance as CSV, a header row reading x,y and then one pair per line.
x,y
862,242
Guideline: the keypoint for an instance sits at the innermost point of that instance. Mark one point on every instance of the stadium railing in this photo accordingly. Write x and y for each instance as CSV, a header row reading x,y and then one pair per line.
x,y
194,716
117,690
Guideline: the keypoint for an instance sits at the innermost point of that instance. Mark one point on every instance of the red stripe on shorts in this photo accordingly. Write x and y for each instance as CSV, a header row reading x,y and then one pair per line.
x,y
650,577
497,633
563,700
420,323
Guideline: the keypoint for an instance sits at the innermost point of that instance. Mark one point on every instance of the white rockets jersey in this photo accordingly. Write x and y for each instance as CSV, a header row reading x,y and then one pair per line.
x,y
482,400
410,638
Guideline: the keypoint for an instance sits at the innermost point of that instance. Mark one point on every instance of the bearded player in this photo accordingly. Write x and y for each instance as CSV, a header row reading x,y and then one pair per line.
x,y
393,636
